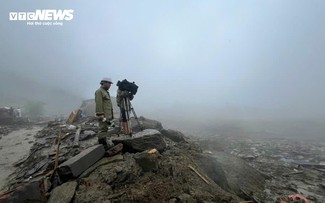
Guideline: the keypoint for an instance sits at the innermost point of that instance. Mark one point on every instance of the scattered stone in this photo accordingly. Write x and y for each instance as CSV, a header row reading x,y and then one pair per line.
x,y
90,190
53,123
63,193
71,127
86,135
186,198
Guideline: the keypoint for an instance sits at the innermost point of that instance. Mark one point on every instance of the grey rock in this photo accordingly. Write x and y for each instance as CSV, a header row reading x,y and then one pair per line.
x,y
148,162
142,141
63,193
213,169
146,124
174,135
146,132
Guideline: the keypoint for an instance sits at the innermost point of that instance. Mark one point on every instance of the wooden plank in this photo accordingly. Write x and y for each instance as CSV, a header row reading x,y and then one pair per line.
x,y
201,176
76,137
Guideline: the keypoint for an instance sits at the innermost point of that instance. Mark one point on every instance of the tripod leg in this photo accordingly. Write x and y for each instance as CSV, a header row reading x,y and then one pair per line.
x,y
128,128
135,115
127,101
120,120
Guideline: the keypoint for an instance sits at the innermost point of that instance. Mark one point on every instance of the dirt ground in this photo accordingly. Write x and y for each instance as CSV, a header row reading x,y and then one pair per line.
x,y
15,146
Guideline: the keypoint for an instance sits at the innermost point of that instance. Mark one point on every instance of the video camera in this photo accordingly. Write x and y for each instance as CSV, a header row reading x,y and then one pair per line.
x,y
125,85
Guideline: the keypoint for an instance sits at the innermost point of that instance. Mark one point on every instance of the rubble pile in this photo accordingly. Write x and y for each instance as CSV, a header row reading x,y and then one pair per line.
x,y
286,166
4,130
156,165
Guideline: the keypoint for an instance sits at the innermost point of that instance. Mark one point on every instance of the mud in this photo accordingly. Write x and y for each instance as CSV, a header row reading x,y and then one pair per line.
x,y
282,166
14,147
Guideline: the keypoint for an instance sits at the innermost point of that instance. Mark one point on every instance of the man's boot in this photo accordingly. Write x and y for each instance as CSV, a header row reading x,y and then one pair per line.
x,y
104,143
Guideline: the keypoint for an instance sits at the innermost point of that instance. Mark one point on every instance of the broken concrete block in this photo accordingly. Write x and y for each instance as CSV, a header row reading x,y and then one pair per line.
x,y
63,193
174,135
142,141
79,163
147,161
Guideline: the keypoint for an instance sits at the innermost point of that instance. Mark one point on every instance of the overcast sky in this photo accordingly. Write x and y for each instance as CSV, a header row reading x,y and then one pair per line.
x,y
266,55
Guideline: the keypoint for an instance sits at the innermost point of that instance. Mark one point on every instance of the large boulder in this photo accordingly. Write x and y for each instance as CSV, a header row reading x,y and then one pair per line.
x,y
242,178
174,135
145,124
144,140
213,169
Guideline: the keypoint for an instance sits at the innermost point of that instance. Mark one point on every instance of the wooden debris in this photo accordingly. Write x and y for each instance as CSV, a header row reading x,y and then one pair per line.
x,y
201,176
73,116
76,138
152,151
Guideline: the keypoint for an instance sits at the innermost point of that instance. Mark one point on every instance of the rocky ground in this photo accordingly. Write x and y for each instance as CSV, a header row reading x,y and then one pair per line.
x,y
159,165
172,173
285,166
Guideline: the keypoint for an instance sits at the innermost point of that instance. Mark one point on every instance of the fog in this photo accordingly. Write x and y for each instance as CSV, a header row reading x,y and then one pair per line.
x,y
197,61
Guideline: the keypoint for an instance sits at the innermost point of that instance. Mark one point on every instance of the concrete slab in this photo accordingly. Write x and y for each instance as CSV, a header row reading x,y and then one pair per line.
x,y
81,162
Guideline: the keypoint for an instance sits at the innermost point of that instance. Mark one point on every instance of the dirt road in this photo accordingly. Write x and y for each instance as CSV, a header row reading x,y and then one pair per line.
x,y
14,147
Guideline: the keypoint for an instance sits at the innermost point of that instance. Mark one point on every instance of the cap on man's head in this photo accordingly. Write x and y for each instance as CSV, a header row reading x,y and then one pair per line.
x,y
106,80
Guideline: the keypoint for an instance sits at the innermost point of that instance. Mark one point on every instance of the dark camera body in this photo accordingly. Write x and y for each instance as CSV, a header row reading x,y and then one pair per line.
x,y
125,85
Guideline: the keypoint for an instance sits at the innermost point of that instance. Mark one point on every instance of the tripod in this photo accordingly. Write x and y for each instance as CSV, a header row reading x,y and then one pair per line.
x,y
128,108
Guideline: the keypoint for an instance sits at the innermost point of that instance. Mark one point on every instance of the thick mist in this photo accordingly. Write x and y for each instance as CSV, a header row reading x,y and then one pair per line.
x,y
195,62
